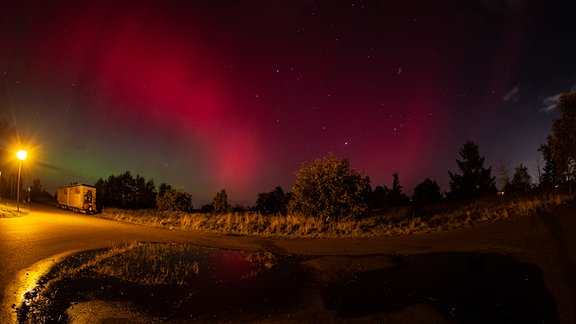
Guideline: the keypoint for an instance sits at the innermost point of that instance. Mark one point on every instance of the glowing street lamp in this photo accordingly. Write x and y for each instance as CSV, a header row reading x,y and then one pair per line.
x,y
21,155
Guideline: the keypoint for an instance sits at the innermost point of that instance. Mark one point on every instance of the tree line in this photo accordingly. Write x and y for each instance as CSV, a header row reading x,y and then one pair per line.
x,y
330,188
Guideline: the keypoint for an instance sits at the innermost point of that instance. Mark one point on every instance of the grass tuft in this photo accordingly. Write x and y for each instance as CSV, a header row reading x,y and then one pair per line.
x,y
402,221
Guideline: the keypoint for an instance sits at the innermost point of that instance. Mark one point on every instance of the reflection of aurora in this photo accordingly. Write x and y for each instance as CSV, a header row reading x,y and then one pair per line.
x,y
173,266
181,264
234,285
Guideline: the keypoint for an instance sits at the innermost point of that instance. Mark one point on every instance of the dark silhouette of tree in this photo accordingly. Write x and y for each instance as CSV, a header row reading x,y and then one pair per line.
x,y
475,180
396,197
562,142
503,175
174,200
35,189
162,188
521,180
549,177
144,193
126,185
329,188
149,195
101,194
126,192
8,135
427,192
273,202
207,208
221,204
378,197
4,185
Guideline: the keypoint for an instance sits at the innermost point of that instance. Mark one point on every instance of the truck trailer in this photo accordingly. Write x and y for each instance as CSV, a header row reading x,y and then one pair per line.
x,y
80,198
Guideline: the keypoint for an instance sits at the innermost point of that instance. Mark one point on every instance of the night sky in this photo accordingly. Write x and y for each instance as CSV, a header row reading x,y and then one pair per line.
x,y
236,95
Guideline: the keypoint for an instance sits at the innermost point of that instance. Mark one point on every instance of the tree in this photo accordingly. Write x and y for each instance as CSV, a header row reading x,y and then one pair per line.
x,y
562,142
503,175
549,177
396,197
174,200
8,135
149,195
35,189
273,202
101,194
329,188
221,204
378,197
207,208
426,193
475,180
125,191
521,180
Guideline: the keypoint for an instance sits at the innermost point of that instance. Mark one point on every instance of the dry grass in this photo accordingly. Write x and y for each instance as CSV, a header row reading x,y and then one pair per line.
x,y
9,209
436,218
155,263
136,269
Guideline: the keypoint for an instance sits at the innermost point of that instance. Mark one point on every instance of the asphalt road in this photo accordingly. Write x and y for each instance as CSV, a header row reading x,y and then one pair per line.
x,y
546,239
46,231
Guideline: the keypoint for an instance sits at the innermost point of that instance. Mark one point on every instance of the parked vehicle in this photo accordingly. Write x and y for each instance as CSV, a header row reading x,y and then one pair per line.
x,y
80,198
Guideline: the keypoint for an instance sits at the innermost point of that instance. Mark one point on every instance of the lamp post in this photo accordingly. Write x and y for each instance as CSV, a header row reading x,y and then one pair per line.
x,y
21,155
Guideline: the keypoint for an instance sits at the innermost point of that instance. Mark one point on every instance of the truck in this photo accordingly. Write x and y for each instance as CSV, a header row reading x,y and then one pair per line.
x,y
80,198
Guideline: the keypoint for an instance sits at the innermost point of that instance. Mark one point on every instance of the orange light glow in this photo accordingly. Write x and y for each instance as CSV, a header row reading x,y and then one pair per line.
x,y
22,155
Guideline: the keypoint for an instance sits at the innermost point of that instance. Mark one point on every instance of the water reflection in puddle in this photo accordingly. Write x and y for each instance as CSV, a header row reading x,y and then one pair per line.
x,y
229,285
180,264
159,280
465,287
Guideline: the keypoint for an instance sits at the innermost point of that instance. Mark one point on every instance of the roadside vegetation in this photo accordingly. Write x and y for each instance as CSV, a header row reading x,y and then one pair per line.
x,y
401,221
8,209
330,198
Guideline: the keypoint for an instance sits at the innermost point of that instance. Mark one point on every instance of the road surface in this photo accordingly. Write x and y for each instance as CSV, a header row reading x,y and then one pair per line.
x,y
546,239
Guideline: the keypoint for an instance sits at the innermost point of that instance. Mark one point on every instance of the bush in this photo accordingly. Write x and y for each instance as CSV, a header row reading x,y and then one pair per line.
x,y
329,188
174,200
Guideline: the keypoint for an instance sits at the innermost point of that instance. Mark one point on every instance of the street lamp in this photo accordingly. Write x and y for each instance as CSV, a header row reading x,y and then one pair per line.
x,y
21,155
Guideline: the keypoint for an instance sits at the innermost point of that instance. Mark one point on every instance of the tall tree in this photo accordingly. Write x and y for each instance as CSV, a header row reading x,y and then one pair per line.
x,y
503,175
521,180
8,135
426,193
378,197
162,188
562,142
125,191
397,197
221,204
475,180
549,177
35,189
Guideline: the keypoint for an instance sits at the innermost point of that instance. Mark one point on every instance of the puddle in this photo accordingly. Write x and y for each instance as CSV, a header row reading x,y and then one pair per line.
x,y
222,285
157,281
465,287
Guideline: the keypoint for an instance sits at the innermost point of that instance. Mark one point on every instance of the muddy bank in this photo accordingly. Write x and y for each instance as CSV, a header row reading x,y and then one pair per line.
x,y
440,287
